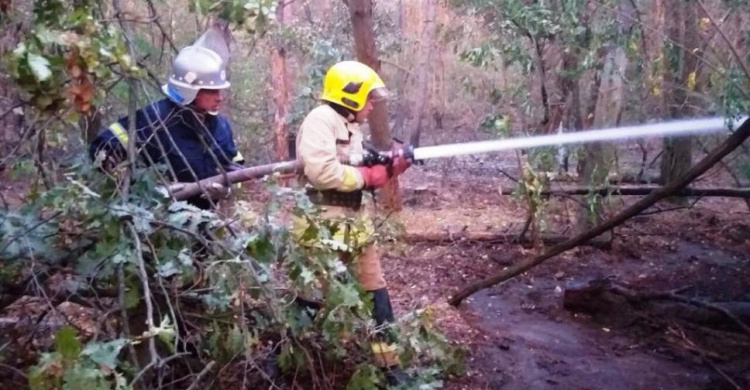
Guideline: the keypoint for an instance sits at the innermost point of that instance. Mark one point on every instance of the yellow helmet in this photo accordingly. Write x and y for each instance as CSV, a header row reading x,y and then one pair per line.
x,y
349,83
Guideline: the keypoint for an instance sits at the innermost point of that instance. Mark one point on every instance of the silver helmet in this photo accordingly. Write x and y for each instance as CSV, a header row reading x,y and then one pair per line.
x,y
193,69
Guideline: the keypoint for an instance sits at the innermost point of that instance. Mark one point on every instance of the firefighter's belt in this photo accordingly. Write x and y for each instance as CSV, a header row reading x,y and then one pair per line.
x,y
352,200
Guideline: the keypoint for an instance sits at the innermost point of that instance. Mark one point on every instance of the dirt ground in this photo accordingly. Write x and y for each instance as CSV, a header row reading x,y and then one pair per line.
x,y
518,334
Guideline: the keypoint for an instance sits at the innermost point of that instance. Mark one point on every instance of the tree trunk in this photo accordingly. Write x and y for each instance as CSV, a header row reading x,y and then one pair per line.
x,y
402,80
280,88
570,115
597,157
423,69
680,76
10,120
364,45
90,124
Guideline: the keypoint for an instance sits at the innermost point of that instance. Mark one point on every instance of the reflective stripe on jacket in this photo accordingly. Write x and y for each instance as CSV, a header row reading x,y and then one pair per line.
x,y
165,131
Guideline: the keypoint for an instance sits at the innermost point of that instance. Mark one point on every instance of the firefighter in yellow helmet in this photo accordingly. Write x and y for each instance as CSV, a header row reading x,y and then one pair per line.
x,y
328,137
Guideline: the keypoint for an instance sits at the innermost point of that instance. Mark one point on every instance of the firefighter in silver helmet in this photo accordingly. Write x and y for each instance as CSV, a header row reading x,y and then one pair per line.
x,y
184,130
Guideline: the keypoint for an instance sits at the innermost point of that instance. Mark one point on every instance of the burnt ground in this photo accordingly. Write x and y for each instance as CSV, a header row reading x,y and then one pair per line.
x,y
518,334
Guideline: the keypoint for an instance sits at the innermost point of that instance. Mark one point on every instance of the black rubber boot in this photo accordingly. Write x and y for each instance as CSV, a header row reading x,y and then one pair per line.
x,y
396,377
381,307
308,304
382,312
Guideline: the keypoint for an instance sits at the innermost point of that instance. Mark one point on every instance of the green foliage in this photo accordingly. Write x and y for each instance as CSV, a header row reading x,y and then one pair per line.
x,y
735,100
522,31
241,274
746,170
734,103
424,342
67,44
735,4
253,15
105,353
481,56
70,368
366,377
673,55
323,53
24,235
21,168
535,19
530,188
227,342
496,124
66,343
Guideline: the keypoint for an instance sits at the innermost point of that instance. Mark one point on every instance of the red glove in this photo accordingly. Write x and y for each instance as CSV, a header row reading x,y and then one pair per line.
x,y
400,164
374,176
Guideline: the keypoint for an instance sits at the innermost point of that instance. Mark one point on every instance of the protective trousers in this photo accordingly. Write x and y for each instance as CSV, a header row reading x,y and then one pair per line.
x,y
366,268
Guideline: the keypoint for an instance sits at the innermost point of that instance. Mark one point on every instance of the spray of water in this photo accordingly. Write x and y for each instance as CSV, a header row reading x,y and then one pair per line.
x,y
665,129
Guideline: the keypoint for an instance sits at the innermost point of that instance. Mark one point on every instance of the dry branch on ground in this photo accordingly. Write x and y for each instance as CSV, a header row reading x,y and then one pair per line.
x,y
497,238
646,190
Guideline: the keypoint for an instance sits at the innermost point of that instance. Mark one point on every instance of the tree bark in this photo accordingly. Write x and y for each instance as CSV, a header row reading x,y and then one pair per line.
x,y
10,121
90,124
570,119
280,88
403,78
182,191
423,70
598,157
729,145
363,31
683,31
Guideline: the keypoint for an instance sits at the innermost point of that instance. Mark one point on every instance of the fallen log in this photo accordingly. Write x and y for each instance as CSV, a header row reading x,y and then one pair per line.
x,y
729,145
646,190
496,238
605,298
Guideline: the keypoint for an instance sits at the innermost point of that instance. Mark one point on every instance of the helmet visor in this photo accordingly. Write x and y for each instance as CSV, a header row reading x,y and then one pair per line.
x,y
378,95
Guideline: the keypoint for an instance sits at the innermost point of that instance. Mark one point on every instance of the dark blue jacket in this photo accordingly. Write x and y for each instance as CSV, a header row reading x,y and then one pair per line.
x,y
176,129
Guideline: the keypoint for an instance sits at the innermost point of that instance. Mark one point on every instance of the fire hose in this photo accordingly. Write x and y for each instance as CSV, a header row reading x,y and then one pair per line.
x,y
181,191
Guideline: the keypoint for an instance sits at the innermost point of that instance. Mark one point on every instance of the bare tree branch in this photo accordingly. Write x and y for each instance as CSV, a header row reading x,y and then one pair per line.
x,y
625,191
155,16
124,312
159,363
663,36
132,101
736,55
147,297
195,385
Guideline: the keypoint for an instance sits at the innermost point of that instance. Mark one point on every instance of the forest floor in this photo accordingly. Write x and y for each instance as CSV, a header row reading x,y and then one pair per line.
x,y
519,335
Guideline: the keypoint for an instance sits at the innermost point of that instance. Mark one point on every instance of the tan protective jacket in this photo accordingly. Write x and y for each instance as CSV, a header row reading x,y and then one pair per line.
x,y
324,140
